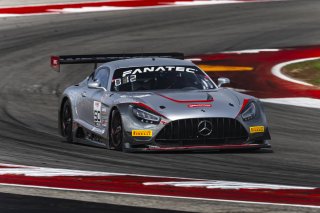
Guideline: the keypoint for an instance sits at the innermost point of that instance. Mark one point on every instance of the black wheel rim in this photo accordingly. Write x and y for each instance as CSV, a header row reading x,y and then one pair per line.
x,y
116,130
67,121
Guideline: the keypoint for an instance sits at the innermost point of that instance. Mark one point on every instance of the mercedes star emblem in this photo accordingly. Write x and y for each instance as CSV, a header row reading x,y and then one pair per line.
x,y
205,128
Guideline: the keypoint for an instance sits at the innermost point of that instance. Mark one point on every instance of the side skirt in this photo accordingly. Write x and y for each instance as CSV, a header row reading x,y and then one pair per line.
x,y
89,138
91,143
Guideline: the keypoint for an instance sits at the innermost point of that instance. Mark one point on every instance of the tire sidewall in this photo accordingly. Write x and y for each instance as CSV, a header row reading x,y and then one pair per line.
x,y
69,137
119,147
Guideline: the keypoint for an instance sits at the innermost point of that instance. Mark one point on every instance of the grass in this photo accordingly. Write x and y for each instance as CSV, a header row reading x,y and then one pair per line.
x,y
308,71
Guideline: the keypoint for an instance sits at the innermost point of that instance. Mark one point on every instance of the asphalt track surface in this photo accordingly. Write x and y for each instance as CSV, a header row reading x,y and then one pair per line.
x,y
19,203
29,90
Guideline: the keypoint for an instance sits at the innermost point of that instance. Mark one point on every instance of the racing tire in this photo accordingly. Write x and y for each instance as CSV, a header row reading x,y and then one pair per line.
x,y
67,121
116,131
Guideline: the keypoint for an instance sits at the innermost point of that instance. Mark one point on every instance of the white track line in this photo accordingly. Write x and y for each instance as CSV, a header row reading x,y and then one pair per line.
x,y
91,9
251,51
84,9
215,184
299,101
50,172
60,172
174,4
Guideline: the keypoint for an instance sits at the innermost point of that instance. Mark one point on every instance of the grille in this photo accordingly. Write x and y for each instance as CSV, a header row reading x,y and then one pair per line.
x,y
185,132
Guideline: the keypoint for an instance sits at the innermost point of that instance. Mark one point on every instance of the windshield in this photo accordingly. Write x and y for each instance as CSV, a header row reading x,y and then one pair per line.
x,y
160,77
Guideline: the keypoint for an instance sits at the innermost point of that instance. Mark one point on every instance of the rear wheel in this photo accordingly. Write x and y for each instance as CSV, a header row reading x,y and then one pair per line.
x,y
116,131
67,121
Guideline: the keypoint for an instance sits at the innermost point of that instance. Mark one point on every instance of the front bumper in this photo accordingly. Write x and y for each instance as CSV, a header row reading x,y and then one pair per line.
x,y
253,146
182,136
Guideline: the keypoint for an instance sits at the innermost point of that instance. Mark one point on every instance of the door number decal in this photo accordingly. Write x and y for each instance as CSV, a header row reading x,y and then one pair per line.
x,y
97,113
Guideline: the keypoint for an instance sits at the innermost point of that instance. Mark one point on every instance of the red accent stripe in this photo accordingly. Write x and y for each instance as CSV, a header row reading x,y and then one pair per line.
x,y
244,104
142,105
185,101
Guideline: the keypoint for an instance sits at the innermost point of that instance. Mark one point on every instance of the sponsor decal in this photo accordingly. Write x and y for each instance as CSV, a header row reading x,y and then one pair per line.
x,y
256,129
199,105
142,133
104,110
129,75
104,116
97,113
140,70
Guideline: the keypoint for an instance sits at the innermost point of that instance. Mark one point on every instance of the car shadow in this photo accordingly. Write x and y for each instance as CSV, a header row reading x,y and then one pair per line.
x,y
242,151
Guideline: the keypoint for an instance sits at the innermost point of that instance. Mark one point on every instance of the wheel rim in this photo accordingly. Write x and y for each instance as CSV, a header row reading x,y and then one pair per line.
x,y
67,121
116,131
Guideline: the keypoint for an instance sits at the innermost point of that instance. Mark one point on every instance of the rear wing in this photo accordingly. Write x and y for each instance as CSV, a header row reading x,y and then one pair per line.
x,y
56,61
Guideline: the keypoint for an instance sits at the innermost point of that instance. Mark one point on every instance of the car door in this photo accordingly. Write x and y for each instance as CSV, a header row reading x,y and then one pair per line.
x,y
95,96
83,108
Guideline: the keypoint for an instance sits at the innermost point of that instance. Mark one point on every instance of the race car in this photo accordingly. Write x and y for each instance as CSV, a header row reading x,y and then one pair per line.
x,y
157,102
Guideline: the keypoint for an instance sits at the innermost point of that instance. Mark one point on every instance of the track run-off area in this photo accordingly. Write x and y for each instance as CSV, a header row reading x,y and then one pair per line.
x,y
246,41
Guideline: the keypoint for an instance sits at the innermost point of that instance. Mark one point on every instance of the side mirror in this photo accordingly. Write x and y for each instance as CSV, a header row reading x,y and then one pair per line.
x,y
222,81
95,85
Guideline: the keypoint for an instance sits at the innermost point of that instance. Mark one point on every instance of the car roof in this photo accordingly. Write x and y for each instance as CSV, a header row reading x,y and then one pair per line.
x,y
141,62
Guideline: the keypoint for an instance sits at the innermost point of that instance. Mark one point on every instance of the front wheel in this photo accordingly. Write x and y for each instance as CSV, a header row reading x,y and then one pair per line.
x,y
116,131
67,121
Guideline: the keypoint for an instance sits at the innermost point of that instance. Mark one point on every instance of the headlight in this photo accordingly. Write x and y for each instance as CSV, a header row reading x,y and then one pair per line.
x,y
145,116
250,112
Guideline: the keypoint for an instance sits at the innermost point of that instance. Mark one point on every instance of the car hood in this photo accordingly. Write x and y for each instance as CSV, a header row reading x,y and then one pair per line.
x,y
176,105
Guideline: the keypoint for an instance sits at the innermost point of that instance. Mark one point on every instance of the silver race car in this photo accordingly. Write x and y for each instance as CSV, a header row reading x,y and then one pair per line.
x,y
157,102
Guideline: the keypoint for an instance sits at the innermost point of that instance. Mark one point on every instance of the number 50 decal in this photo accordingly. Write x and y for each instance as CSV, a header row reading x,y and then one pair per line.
x,y
97,113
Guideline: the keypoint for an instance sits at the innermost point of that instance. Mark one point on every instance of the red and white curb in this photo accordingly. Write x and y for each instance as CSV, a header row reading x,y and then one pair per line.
x,y
276,70
299,101
171,187
109,6
266,80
